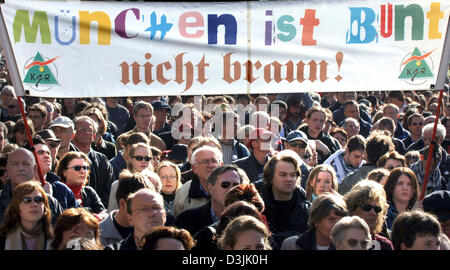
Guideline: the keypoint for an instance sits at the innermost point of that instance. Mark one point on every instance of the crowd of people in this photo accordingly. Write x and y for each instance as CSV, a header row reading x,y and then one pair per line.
x,y
296,171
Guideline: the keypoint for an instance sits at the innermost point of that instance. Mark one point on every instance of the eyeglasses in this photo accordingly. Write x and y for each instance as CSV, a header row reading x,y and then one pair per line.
x,y
85,130
367,207
37,199
142,210
226,184
363,243
140,158
207,161
12,106
172,177
417,124
78,168
297,144
2,172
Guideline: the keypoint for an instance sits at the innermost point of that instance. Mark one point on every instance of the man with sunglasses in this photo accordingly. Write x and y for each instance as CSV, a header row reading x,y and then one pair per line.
x,y
21,167
220,180
415,124
297,141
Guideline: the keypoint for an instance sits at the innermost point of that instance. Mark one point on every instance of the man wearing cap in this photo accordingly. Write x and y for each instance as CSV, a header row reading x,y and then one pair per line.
x,y
178,154
53,144
345,161
64,130
261,149
438,203
297,141
161,110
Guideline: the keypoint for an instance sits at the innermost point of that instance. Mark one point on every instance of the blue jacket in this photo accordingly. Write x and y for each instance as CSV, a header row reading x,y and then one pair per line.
x,y
118,164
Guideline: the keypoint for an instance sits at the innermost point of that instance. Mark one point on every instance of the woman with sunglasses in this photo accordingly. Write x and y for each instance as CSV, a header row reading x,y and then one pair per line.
x,y
321,179
140,157
402,191
367,199
170,176
73,169
27,223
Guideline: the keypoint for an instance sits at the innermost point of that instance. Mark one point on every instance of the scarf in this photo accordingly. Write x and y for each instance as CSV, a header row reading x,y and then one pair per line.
x,y
77,192
21,239
434,180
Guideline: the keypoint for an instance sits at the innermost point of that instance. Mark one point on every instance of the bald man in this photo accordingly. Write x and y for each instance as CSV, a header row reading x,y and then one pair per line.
x,y
21,167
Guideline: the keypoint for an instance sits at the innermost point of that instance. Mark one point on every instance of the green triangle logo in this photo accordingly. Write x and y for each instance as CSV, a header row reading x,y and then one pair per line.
x,y
39,73
415,68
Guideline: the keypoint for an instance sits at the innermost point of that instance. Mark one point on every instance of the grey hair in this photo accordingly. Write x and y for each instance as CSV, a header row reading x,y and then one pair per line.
x,y
350,119
440,130
216,151
346,223
88,119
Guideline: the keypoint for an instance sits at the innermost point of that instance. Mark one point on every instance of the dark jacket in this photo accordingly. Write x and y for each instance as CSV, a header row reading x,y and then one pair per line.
x,y
399,146
332,144
416,146
307,241
101,176
118,164
5,198
126,244
249,165
284,223
61,192
195,219
338,113
107,148
91,200
400,133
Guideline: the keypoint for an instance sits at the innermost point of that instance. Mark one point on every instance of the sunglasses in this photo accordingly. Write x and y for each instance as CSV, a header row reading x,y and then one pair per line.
x,y
226,184
297,144
140,158
78,168
37,199
12,106
2,172
354,242
53,144
417,124
367,207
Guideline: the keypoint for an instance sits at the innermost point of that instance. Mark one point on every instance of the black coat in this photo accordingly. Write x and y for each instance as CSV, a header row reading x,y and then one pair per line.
x,y
248,164
307,241
91,200
284,223
195,219
101,176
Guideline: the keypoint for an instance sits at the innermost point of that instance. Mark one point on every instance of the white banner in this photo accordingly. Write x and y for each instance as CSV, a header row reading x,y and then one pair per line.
x,y
91,49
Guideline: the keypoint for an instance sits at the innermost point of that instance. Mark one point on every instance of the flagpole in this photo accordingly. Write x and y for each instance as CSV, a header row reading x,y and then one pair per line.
x,y
18,86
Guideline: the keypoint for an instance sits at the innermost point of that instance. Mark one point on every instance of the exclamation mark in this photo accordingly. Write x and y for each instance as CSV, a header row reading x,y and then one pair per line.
x,y
339,58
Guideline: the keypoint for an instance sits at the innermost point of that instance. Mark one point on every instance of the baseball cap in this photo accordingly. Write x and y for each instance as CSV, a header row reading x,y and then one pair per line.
x,y
179,152
47,134
62,121
158,105
438,203
296,135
